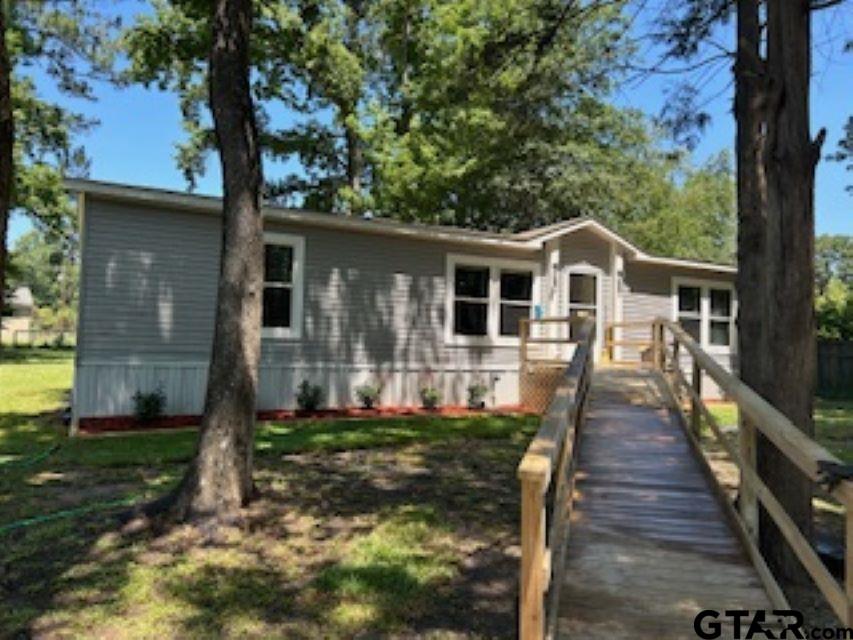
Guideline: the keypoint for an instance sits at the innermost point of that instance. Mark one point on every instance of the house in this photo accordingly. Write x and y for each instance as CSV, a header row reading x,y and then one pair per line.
x,y
20,307
348,301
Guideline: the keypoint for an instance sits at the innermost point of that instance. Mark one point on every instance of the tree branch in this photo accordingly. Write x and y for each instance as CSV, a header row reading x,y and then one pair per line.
x,y
820,5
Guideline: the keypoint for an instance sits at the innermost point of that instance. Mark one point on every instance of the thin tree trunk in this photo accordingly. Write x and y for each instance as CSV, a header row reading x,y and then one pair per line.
x,y
355,163
7,143
219,479
790,160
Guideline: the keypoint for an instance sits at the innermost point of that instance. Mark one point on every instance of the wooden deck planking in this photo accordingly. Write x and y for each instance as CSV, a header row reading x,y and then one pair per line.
x,y
649,545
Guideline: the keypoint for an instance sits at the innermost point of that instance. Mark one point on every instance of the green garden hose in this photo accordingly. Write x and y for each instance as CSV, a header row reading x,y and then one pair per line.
x,y
68,513
25,462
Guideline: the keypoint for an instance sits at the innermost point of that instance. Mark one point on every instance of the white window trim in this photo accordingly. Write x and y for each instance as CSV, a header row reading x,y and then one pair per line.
x,y
583,268
492,337
704,287
297,243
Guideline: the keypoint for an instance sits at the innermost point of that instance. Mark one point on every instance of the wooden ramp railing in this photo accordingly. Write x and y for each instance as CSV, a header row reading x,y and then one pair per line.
x,y
671,342
546,474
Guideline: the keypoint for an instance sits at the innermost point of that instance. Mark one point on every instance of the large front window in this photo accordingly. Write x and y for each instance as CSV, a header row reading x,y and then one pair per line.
x,y
282,296
488,298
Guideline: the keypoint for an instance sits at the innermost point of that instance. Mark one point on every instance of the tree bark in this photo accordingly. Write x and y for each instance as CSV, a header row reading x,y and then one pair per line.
x,y
790,159
7,144
355,162
751,195
219,480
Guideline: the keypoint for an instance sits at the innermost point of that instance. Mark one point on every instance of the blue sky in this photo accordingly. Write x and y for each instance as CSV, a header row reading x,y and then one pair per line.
x,y
135,141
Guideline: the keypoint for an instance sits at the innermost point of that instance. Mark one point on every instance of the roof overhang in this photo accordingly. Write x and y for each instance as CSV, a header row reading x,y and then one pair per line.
x,y
526,241
145,196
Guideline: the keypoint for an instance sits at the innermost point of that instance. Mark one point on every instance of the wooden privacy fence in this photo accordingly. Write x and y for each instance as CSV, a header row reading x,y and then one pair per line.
x,y
547,475
757,415
835,367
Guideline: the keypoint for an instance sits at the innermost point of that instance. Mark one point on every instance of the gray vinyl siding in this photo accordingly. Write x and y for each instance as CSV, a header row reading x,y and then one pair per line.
x,y
150,279
373,305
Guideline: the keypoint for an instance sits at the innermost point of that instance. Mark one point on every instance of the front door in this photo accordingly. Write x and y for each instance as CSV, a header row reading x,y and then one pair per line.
x,y
584,299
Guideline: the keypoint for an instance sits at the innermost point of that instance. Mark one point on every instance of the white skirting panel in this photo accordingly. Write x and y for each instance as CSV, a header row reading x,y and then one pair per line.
x,y
106,389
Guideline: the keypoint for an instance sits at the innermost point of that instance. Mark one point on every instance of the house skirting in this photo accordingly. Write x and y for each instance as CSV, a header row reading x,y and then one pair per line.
x,y
107,388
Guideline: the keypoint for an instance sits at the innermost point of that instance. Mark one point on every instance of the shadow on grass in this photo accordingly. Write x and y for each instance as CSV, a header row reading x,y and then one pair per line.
x,y
366,541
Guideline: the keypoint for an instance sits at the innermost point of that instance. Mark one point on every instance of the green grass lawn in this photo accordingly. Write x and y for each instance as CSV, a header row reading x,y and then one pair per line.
x,y
833,423
363,527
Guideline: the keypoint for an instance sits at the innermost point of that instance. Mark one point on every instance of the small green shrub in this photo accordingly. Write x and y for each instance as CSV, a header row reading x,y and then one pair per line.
x,y
477,395
430,398
150,405
368,395
309,397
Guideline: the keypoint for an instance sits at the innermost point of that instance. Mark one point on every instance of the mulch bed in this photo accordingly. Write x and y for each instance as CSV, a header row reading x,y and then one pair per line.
x,y
113,424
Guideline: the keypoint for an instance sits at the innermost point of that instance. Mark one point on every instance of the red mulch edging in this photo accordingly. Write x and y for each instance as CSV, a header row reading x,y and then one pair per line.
x,y
113,424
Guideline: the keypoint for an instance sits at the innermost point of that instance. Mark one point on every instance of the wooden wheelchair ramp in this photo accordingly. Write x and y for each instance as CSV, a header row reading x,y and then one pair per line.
x,y
649,544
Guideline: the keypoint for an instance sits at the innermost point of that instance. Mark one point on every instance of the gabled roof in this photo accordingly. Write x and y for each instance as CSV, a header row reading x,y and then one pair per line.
x,y
530,240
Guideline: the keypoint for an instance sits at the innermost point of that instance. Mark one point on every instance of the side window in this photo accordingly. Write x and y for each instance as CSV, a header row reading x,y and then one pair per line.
x,y
471,301
278,286
690,311
721,317
281,309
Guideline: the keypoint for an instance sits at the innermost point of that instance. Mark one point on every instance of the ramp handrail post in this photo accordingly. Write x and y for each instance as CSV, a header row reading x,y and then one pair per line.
x,y
695,415
531,615
747,498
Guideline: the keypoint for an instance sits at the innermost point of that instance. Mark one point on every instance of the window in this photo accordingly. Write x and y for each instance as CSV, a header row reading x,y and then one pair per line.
x,y
721,317
706,311
690,311
516,300
488,298
282,296
471,306
583,298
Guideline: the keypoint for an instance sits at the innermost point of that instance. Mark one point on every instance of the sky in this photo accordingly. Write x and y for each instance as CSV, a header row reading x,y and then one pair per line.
x,y
135,140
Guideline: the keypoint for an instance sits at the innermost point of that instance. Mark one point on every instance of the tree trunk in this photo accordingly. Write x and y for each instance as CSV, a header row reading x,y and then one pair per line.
x,y
355,163
751,195
752,221
219,480
790,159
7,143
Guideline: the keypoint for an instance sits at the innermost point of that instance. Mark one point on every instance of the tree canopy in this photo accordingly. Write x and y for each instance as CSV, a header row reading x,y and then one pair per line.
x,y
487,114
70,44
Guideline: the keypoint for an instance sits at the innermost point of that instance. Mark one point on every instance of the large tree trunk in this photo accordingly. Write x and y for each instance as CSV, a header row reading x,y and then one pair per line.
x,y
7,143
219,480
790,159
751,194
752,221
